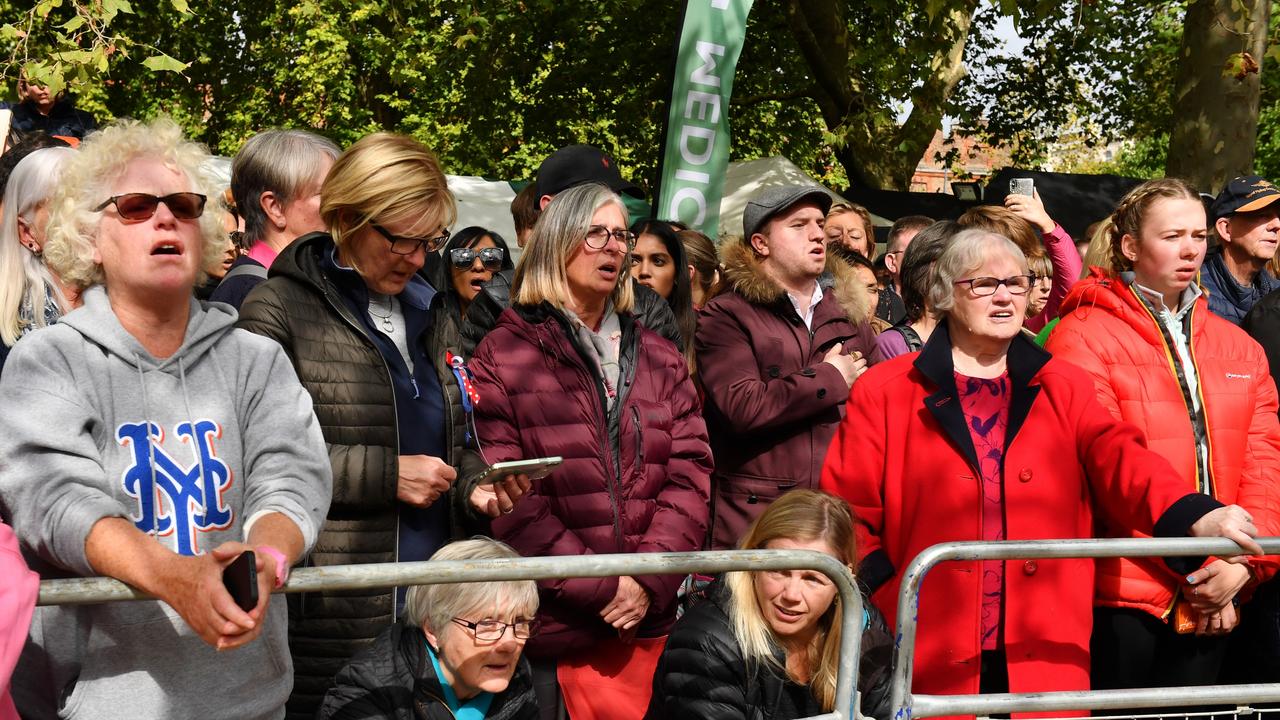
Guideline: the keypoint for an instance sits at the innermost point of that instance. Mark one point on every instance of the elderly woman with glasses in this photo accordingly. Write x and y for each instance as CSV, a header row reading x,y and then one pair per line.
x,y
363,330
984,436
568,371
144,438
456,653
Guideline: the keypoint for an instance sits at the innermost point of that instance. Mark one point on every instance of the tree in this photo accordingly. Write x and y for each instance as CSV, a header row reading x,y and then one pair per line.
x,y
1217,94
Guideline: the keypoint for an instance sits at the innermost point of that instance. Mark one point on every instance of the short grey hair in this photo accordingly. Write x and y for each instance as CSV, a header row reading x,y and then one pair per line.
x,y
284,162
966,252
435,606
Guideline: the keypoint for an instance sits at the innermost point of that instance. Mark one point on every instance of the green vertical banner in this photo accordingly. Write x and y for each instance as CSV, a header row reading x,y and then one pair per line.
x,y
697,146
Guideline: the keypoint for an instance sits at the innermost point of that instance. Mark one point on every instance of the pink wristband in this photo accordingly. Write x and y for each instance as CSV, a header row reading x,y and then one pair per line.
x,y
282,565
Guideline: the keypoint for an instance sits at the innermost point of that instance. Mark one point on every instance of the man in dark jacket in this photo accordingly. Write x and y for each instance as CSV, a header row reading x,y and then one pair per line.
x,y
1246,218
563,169
777,356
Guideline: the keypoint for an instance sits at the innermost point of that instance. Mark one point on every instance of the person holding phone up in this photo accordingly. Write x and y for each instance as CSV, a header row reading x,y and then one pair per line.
x,y
144,438
368,336
569,372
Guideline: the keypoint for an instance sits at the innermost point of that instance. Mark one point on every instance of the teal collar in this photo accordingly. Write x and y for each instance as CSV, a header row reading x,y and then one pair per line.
x,y
474,709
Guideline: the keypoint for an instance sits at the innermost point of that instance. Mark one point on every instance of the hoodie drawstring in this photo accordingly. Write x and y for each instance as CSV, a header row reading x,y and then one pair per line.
x,y
151,447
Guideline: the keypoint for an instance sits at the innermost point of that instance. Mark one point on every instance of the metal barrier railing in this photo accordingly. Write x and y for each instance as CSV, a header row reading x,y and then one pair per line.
x,y
83,591
906,705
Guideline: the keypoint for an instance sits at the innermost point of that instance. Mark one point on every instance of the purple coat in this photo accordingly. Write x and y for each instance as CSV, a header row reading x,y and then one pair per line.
x,y
772,404
646,492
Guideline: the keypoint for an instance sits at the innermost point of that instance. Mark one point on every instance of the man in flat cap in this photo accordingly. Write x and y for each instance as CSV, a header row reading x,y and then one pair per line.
x,y
776,356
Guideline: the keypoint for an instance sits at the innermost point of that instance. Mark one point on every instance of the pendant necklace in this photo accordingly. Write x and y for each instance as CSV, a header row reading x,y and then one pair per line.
x,y
385,320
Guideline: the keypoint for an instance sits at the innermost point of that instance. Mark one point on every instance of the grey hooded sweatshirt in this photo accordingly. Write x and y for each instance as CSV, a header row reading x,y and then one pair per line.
x,y
190,449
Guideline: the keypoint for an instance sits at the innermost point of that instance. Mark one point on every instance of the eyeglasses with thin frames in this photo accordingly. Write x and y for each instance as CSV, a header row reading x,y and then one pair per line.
x,y
493,630
598,237
407,245
985,286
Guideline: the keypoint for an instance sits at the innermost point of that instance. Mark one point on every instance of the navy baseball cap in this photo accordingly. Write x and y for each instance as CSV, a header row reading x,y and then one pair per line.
x,y
1242,195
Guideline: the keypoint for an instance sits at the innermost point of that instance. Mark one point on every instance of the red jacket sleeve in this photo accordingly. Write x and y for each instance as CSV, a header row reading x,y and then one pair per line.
x,y
1259,493
854,469
680,524
731,378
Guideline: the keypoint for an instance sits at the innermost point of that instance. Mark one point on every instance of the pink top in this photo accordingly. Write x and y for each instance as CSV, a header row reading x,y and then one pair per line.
x,y
1066,271
18,592
986,412
263,253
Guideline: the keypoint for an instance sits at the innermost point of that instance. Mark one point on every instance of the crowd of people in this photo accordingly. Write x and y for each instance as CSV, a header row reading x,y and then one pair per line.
x,y
313,364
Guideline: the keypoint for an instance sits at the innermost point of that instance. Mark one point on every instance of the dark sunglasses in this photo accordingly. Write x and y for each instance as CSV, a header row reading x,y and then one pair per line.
x,y
141,206
491,258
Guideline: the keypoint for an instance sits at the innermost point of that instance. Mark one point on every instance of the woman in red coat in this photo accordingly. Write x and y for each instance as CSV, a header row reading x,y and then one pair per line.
x,y
983,436
567,371
1199,389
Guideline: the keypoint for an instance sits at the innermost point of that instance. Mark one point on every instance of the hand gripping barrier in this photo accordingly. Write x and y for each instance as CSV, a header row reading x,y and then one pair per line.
x,y
82,591
906,705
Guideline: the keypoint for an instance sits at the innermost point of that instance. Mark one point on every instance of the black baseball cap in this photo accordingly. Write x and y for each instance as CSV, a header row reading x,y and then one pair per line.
x,y
774,201
1244,194
578,165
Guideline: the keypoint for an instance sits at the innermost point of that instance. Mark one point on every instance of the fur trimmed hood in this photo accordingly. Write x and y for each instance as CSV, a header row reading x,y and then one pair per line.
x,y
744,275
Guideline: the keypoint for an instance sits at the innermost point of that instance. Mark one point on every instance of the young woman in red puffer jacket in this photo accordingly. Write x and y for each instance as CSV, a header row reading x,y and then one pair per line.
x,y
1200,390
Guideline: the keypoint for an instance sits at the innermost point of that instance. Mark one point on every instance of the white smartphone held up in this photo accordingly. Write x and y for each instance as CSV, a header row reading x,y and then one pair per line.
x,y
536,469
1022,186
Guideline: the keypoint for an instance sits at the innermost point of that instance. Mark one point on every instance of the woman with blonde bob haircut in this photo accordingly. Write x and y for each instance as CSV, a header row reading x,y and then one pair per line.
x,y
31,296
783,626
366,333
459,647
568,371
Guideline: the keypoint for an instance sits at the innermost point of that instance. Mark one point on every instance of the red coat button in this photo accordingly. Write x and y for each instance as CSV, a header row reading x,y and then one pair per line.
x,y
1025,475
1030,567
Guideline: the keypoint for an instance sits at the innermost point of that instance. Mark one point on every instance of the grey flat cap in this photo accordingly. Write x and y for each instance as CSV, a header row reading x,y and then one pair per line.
x,y
774,200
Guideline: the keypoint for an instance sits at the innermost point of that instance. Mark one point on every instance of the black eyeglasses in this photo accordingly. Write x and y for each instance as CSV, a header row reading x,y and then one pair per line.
x,y
141,206
598,236
984,286
407,245
491,258
493,630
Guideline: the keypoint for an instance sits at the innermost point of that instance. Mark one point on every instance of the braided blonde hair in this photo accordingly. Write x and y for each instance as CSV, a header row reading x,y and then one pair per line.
x,y
1132,210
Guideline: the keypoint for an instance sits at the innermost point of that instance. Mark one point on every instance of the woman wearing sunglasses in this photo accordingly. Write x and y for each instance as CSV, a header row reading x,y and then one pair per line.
x,y
457,652
1200,390
569,371
472,256
983,436
363,330
144,438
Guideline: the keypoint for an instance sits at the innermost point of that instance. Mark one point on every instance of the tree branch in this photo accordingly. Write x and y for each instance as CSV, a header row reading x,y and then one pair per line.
x,y
750,100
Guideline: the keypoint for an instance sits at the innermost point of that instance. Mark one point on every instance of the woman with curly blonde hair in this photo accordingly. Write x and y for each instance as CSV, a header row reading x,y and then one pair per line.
x,y
144,439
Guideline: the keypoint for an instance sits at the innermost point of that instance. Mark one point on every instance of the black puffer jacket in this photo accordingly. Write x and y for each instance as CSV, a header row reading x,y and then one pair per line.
x,y
650,310
351,388
702,674
393,680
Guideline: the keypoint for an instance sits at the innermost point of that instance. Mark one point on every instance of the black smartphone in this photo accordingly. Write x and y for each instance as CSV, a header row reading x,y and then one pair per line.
x,y
241,580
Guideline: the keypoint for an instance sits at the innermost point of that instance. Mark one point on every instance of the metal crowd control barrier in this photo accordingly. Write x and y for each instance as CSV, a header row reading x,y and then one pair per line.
x,y
906,705
83,591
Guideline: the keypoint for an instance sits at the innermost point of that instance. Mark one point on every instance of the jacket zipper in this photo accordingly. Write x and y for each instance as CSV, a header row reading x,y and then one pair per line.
x,y
635,415
395,412
1199,428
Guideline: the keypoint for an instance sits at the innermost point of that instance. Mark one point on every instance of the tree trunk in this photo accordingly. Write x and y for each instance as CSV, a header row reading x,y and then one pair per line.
x,y
878,157
1215,112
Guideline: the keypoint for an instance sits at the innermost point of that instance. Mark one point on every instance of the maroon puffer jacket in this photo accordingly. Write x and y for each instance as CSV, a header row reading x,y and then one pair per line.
x,y
538,398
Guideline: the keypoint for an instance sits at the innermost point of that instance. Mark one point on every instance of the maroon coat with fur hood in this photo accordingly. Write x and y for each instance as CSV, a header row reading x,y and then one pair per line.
x,y
772,404
637,484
